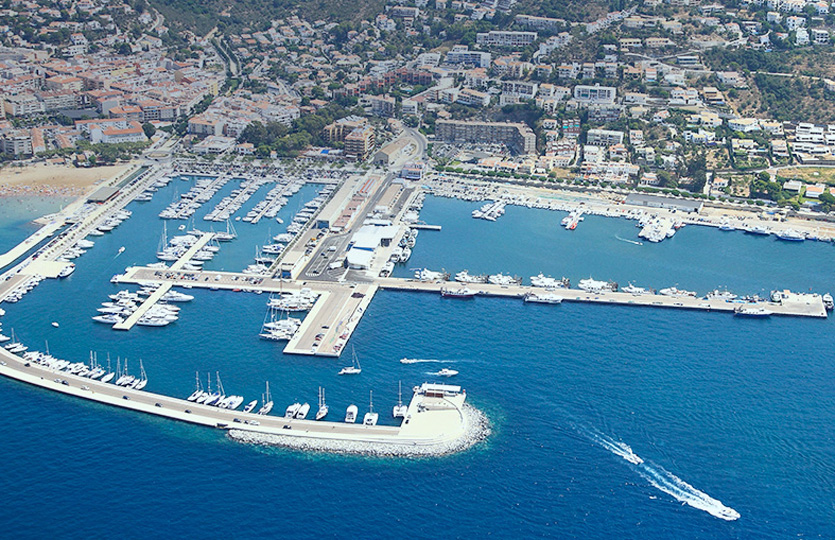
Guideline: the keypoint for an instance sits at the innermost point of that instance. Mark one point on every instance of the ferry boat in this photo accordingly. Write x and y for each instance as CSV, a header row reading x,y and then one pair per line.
x,y
463,293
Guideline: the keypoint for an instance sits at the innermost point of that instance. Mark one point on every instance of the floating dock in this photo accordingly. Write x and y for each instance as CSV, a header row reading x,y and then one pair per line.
x,y
204,239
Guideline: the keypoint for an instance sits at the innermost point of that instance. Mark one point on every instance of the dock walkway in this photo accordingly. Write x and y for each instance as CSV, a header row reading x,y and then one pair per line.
x,y
197,246
128,323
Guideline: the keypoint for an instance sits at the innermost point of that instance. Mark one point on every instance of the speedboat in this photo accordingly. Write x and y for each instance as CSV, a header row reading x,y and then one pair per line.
x,y
351,414
292,410
446,372
302,411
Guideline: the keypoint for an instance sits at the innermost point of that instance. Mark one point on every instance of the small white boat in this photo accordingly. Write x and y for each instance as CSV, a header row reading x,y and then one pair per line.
x,y
351,414
446,372
354,368
399,410
323,407
302,411
370,418
251,405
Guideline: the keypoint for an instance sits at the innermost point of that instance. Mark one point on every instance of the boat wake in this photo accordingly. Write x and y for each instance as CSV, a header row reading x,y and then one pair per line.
x,y
630,241
672,485
619,448
663,480
425,361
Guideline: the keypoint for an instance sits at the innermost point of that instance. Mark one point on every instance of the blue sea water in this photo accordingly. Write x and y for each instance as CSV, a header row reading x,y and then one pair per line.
x,y
742,410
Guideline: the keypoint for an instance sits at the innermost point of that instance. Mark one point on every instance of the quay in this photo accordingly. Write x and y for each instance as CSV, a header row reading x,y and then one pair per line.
x,y
793,304
323,332
434,415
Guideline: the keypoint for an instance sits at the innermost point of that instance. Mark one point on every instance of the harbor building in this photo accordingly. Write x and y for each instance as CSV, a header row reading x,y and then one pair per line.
x,y
518,137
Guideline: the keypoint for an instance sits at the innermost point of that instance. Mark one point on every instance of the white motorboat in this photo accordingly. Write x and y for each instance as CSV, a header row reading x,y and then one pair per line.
x,y
547,298
446,372
351,414
301,412
250,406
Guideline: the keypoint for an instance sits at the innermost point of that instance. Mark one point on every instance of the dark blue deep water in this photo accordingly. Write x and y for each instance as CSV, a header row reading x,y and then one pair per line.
x,y
741,410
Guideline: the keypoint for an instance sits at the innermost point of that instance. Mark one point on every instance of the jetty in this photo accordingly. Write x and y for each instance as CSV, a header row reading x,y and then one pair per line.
x,y
435,416
143,308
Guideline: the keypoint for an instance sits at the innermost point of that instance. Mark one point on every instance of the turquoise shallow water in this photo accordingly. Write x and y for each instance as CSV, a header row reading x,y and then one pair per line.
x,y
742,410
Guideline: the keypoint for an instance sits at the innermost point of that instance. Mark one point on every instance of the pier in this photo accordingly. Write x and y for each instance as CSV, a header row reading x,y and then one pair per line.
x,y
204,239
143,308
432,419
795,305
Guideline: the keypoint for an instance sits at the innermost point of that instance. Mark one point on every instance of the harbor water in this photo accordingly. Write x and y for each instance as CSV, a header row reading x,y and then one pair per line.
x,y
722,412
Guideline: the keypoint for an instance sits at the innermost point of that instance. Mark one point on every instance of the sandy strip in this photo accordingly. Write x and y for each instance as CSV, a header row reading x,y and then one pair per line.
x,y
53,180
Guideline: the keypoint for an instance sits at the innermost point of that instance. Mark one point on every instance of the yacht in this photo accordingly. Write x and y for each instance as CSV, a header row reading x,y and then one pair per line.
x,y
759,230
716,294
595,286
292,410
351,414
635,291
268,402
67,270
672,291
370,418
323,407
301,412
501,279
250,406
791,235
547,282
354,368
399,410
446,372
543,298
428,275
756,312
828,303
108,318
465,277
463,293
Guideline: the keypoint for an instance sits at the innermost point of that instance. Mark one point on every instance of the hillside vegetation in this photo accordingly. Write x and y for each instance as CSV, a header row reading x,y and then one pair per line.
x,y
200,16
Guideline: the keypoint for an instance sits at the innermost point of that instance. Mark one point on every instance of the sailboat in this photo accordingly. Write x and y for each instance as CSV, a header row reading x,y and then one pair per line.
x,y
198,388
399,410
323,407
143,378
370,418
219,395
110,374
354,368
208,393
268,402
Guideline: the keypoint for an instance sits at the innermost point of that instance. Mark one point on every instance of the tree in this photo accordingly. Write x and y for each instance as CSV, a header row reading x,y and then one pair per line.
x,y
149,129
827,201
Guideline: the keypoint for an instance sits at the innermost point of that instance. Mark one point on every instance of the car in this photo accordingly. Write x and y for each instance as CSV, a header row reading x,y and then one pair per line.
x,y
157,405
126,397
85,387
188,411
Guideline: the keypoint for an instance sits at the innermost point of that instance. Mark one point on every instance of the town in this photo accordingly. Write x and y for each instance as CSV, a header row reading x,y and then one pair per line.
x,y
685,98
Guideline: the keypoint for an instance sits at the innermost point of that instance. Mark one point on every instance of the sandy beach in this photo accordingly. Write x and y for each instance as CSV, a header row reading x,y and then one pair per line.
x,y
57,180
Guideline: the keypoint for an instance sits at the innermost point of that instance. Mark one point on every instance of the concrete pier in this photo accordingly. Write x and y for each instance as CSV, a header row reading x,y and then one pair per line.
x,y
143,308
796,305
431,420
197,246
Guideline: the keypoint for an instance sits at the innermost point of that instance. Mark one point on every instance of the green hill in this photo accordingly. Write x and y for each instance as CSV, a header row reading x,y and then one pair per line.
x,y
200,16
